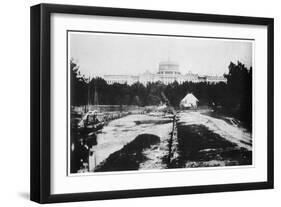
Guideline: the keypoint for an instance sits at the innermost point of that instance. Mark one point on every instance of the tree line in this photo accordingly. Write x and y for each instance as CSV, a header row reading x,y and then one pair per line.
x,y
232,98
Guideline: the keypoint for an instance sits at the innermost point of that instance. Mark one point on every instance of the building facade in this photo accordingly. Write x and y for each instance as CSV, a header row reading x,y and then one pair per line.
x,y
168,72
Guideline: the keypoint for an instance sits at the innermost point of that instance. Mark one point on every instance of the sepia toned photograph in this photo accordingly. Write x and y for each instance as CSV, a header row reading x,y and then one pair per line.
x,y
157,102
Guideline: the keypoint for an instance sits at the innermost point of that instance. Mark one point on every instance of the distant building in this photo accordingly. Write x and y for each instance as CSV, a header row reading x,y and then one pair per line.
x,y
215,79
122,79
168,72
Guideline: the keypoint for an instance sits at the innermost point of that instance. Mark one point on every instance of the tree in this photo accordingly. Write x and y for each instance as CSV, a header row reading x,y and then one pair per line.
x,y
239,92
78,85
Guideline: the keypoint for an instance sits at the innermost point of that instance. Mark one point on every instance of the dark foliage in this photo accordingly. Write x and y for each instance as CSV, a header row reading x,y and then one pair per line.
x,y
78,86
238,96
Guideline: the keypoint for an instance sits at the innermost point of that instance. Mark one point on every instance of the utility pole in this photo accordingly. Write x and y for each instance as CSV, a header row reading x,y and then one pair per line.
x,y
89,93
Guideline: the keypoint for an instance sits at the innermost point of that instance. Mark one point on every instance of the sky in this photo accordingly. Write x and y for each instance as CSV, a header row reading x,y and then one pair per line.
x,y
100,54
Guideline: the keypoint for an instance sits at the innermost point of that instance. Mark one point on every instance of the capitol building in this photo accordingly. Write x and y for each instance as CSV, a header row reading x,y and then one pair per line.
x,y
168,72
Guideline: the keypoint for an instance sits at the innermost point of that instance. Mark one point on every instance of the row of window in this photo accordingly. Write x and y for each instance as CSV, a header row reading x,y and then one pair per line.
x,y
167,80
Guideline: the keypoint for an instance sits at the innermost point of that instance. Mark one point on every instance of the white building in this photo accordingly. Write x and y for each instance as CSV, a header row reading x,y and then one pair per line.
x,y
168,72
189,101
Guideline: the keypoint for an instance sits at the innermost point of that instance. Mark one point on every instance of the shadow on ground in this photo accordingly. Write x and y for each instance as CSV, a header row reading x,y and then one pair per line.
x,y
130,156
200,147
24,195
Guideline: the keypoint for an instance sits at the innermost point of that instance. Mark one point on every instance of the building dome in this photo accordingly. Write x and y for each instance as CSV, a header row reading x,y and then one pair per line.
x,y
168,67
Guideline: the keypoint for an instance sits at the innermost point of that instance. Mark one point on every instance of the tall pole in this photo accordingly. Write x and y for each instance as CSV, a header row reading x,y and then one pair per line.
x,y
89,101
96,97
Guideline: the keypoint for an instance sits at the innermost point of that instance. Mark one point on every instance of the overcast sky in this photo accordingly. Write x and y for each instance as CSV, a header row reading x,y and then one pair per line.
x,y
100,54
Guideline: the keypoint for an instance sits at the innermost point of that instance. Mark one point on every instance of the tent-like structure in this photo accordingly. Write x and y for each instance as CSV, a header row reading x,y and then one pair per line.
x,y
189,101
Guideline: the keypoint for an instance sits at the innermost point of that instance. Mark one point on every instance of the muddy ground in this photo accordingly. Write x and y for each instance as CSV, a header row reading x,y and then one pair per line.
x,y
130,156
200,147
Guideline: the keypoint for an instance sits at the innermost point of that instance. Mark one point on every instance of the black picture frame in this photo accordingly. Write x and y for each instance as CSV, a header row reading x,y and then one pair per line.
x,y
40,102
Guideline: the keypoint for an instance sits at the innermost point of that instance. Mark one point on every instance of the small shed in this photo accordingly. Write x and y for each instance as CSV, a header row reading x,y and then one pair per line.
x,y
189,101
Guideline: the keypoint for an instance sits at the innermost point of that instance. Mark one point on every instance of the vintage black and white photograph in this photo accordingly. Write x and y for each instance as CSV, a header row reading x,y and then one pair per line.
x,y
157,102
